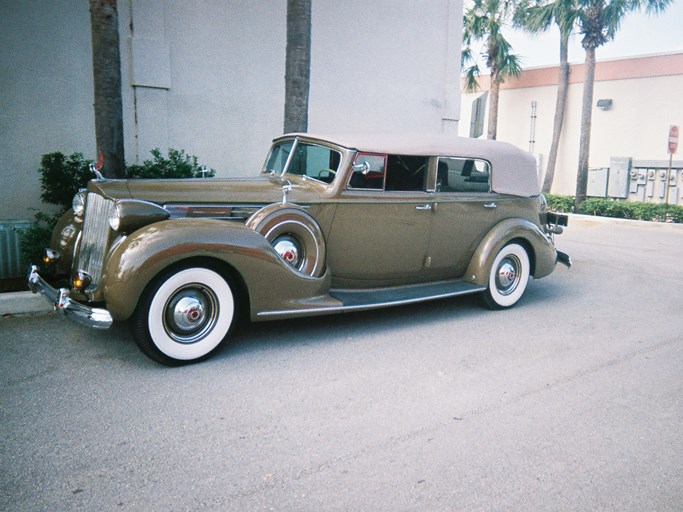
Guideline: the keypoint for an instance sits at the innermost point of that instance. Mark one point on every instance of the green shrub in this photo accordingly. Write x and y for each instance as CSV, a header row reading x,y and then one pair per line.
x,y
563,204
36,238
177,165
61,177
632,210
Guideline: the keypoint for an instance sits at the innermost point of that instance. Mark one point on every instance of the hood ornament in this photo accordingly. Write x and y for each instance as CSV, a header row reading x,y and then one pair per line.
x,y
95,167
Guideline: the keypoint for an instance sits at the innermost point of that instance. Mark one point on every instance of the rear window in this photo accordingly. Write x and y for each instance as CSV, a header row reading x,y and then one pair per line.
x,y
462,175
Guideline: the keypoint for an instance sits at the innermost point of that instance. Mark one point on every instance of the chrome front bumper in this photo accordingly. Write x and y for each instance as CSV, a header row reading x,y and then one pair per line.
x,y
97,318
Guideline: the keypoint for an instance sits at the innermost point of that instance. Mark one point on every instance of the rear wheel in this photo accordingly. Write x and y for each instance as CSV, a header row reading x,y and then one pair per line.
x,y
184,316
508,277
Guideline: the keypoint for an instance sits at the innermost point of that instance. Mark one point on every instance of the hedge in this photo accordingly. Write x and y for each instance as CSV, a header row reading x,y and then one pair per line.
x,y
618,209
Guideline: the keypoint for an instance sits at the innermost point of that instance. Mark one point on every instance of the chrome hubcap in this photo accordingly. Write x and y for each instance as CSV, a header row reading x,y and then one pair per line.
x,y
288,249
190,314
507,276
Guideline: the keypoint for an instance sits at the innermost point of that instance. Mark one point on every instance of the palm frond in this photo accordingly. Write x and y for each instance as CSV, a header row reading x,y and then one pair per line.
x,y
472,78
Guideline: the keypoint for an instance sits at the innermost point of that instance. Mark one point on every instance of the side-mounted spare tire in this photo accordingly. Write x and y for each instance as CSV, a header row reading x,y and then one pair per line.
x,y
295,236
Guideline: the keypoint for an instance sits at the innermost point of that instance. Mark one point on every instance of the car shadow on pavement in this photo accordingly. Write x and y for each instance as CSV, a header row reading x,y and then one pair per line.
x,y
338,328
117,346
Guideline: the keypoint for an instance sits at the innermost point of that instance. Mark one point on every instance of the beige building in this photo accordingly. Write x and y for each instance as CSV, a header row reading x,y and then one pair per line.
x,y
636,100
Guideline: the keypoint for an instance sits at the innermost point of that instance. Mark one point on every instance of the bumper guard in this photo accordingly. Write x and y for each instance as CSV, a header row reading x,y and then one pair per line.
x,y
564,258
97,318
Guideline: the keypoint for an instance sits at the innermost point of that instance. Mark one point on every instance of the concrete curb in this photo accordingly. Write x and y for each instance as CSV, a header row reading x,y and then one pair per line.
x,y
19,303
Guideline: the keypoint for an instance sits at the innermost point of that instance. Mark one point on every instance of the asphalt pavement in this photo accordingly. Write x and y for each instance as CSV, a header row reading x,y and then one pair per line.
x,y
570,401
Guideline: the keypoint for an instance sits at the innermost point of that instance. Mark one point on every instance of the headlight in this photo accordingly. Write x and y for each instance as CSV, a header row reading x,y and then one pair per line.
x,y
78,203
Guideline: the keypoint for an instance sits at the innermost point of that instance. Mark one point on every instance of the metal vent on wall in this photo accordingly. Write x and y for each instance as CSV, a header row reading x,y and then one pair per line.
x,y
11,264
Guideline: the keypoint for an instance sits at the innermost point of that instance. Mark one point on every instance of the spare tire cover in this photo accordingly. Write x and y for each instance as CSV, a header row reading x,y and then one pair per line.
x,y
285,220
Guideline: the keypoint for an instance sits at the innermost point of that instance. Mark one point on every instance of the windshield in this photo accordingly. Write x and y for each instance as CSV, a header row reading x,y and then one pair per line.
x,y
304,159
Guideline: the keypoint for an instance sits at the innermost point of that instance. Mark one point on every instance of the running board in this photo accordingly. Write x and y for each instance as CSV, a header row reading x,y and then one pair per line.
x,y
341,301
379,297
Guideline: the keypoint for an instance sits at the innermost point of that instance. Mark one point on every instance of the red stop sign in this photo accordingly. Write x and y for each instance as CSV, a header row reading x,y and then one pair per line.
x,y
673,139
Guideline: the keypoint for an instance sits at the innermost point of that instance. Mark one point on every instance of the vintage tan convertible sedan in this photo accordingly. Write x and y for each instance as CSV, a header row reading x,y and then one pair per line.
x,y
332,224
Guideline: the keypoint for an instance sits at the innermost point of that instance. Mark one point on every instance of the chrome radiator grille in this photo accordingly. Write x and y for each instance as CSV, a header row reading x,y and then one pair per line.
x,y
94,237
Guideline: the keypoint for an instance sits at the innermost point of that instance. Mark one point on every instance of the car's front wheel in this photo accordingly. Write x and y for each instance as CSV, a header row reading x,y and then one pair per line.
x,y
184,315
508,277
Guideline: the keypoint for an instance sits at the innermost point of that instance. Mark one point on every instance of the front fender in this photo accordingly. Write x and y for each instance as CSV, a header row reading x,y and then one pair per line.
x,y
542,251
147,252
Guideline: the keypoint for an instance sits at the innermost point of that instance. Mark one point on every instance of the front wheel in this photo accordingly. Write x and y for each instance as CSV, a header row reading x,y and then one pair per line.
x,y
184,316
508,277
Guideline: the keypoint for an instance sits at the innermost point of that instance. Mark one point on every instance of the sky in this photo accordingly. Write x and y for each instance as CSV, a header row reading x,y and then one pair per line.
x,y
639,34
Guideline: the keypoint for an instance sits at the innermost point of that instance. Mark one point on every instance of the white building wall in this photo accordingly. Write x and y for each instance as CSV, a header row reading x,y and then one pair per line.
x,y
46,94
208,77
385,66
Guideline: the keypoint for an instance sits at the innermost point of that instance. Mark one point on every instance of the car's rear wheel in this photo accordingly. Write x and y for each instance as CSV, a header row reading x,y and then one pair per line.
x,y
508,277
184,315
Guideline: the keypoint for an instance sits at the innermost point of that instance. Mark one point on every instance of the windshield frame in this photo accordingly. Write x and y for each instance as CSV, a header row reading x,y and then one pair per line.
x,y
296,142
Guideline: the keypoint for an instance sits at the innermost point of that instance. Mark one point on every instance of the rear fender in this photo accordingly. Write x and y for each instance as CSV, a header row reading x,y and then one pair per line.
x,y
134,263
541,250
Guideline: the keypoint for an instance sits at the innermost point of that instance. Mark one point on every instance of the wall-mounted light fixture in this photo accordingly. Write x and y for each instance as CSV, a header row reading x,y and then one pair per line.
x,y
604,104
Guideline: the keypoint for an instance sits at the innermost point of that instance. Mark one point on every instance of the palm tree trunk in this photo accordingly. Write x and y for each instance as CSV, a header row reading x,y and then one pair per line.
x,y
297,65
107,86
586,115
560,107
492,129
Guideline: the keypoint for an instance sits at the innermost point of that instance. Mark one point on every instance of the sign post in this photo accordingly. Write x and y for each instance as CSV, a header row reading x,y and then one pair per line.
x,y
673,147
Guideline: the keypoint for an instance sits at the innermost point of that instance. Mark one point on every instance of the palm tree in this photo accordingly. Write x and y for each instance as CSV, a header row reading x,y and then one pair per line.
x,y
484,21
297,65
107,86
599,21
536,18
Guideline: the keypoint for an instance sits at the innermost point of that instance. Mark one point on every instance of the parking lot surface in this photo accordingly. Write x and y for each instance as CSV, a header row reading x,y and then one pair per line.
x,y
569,401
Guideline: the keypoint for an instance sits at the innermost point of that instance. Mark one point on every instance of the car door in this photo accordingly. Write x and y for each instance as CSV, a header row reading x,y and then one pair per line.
x,y
381,229
464,212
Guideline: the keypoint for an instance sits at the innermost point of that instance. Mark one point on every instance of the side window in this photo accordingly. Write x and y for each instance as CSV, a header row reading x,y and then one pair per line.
x,y
368,172
407,172
462,175
389,172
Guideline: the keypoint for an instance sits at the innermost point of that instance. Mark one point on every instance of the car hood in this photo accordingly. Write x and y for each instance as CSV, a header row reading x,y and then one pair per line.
x,y
258,190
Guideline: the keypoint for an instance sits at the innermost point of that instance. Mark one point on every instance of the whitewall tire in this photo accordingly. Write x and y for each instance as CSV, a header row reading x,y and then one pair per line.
x,y
184,315
508,277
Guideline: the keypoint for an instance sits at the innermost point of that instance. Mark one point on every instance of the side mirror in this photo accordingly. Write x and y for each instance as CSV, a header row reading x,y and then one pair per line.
x,y
363,167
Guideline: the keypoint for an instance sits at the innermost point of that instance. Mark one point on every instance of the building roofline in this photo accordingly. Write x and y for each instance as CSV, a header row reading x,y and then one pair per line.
x,y
641,66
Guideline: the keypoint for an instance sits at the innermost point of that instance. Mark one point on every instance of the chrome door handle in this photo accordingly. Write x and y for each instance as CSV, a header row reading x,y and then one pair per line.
x,y
490,205
424,207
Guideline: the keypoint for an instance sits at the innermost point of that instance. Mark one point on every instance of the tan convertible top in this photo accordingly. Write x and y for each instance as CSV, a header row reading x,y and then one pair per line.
x,y
513,171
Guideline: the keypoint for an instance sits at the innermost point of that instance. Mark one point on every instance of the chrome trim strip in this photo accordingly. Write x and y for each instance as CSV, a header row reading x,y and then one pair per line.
x,y
198,210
